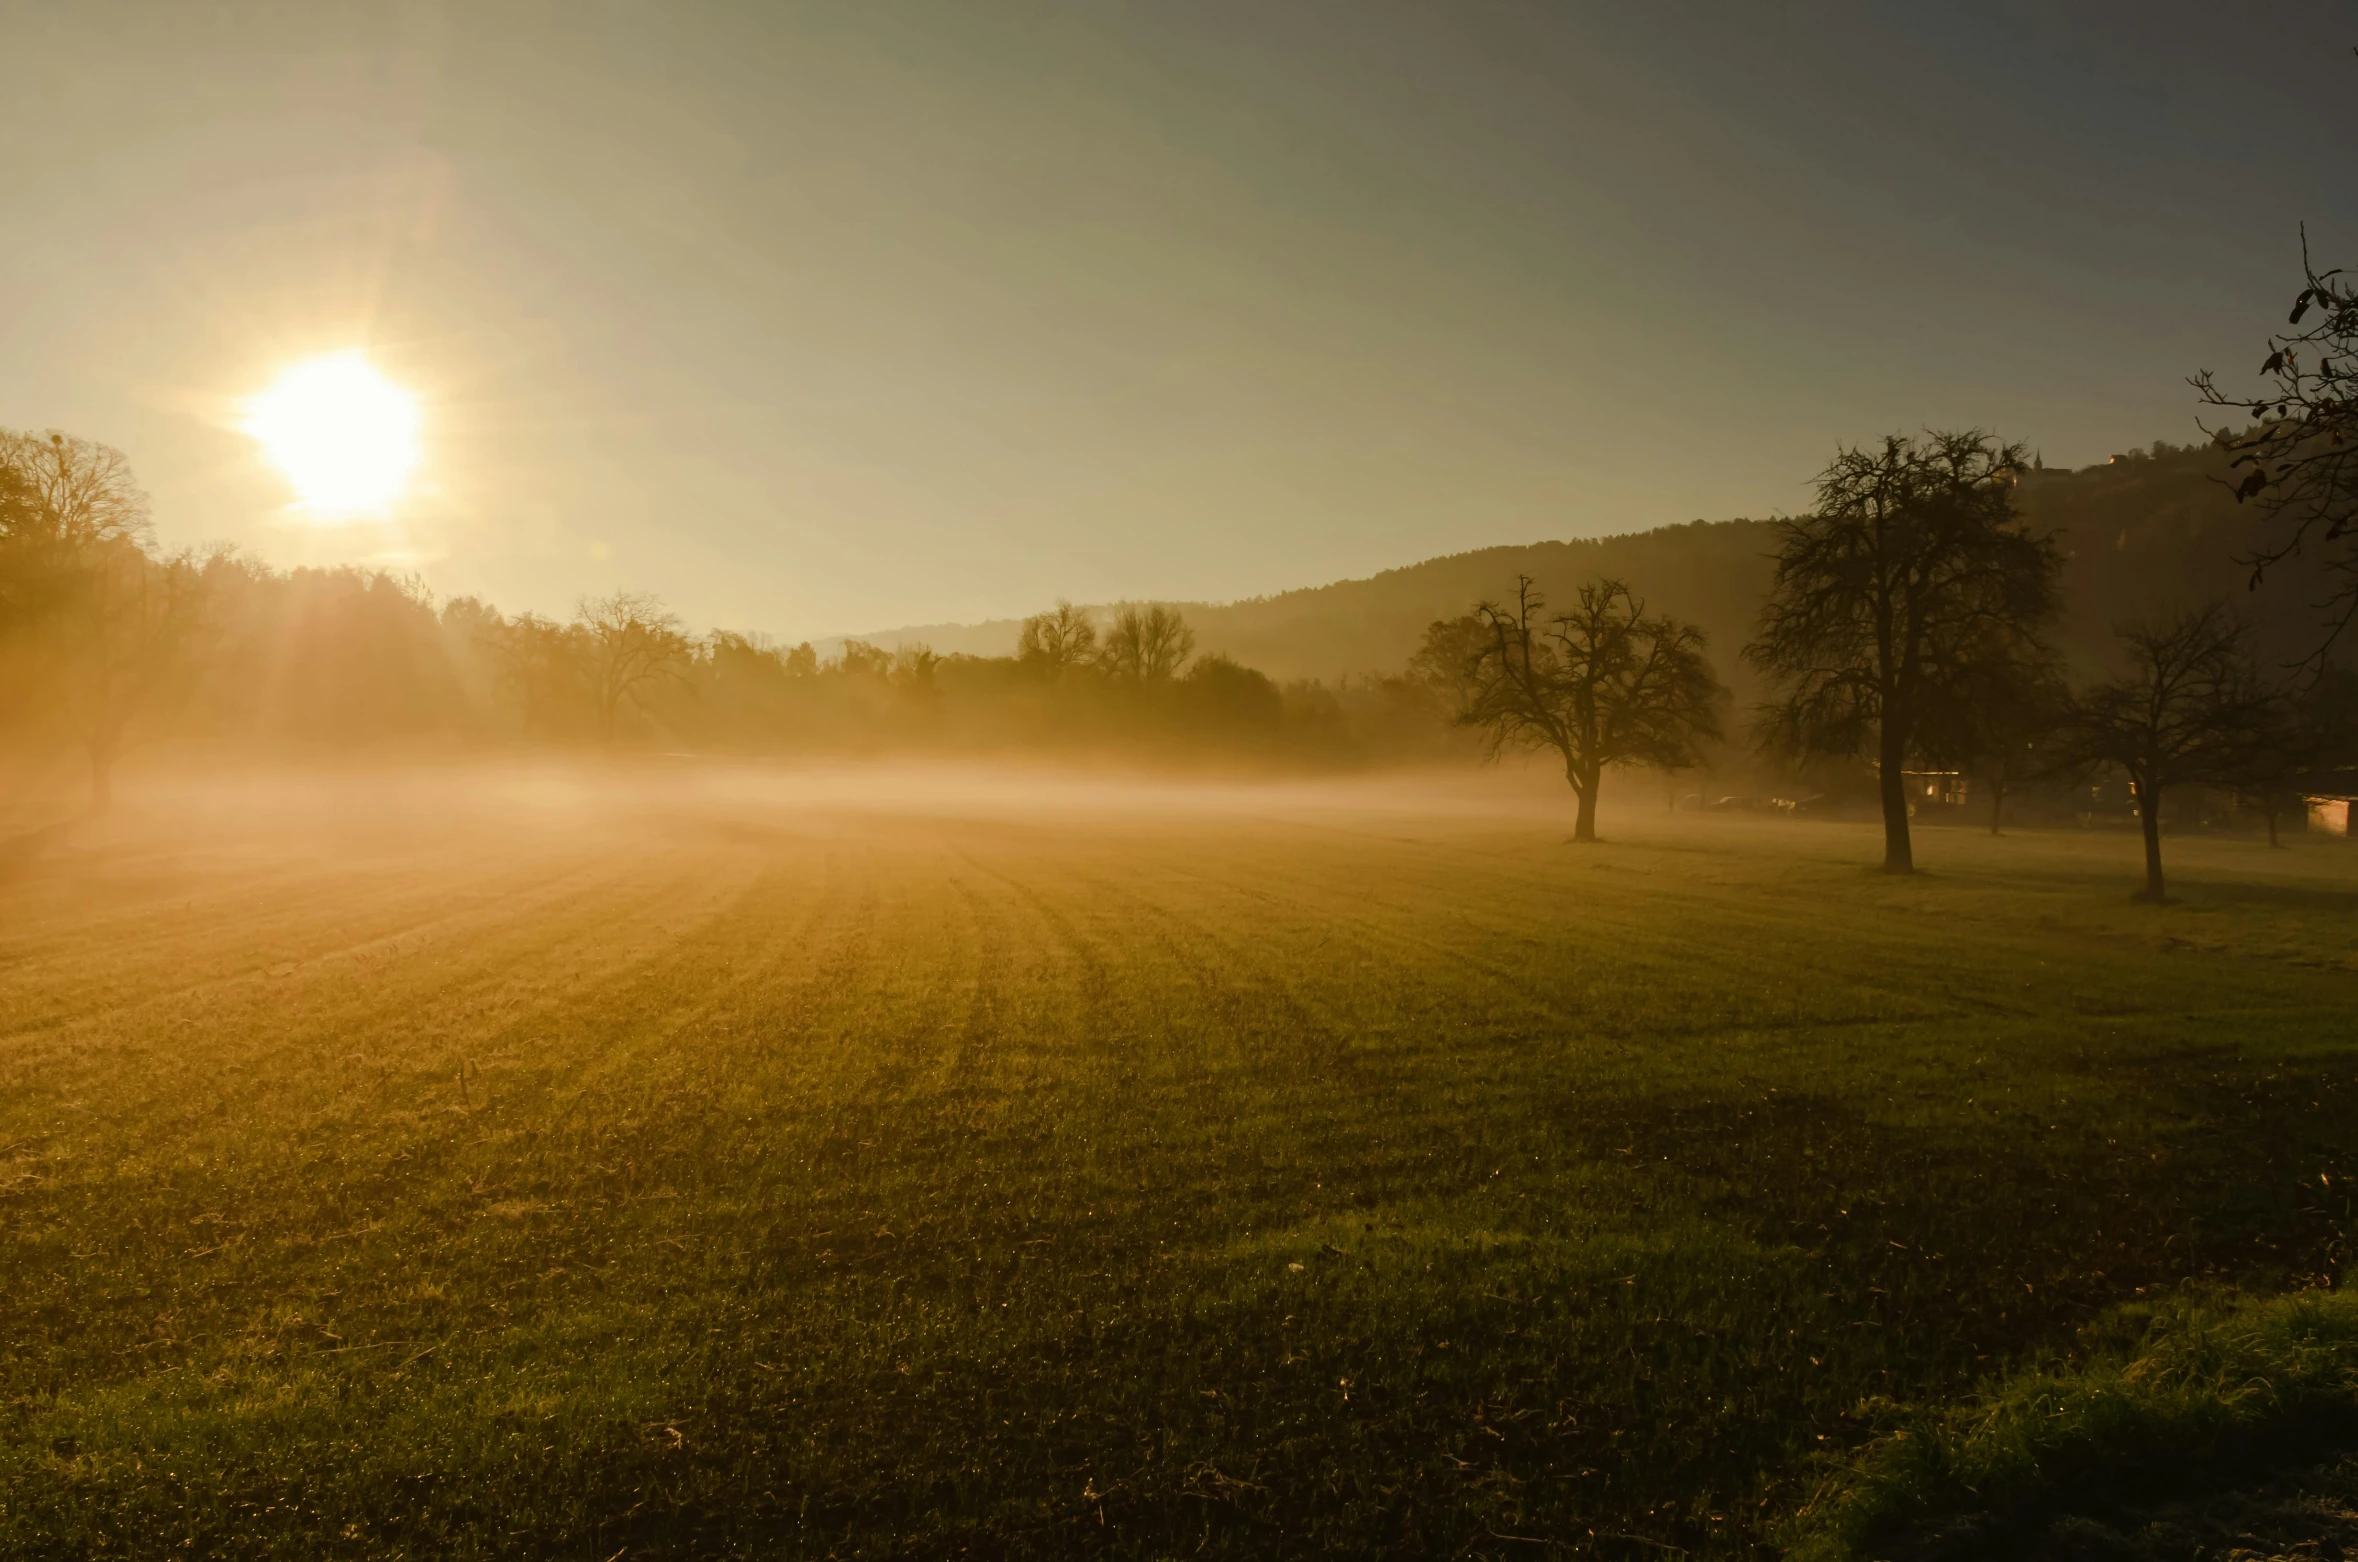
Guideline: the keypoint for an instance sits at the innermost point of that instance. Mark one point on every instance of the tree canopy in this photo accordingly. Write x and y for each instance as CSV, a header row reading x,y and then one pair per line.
x,y
2191,707
2298,459
1913,568
1601,684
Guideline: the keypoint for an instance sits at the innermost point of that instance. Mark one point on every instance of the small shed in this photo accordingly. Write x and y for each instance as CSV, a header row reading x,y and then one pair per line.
x,y
1936,788
2329,813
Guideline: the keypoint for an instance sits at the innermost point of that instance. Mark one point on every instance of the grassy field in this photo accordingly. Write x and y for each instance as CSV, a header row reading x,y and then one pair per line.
x,y
862,1165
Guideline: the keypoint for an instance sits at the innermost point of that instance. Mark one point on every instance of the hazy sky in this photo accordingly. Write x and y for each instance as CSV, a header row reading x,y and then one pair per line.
x,y
825,317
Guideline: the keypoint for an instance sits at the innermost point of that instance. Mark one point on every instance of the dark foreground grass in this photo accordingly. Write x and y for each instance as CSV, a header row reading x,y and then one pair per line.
x,y
731,1173
2174,1401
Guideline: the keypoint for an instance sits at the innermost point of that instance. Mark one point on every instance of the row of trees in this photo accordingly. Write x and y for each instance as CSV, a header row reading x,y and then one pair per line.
x,y
1908,625
1141,645
1909,621
101,634
93,624
624,656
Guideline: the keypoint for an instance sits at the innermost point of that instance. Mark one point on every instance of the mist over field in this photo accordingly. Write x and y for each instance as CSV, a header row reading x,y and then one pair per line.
x,y
683,1156
1334,780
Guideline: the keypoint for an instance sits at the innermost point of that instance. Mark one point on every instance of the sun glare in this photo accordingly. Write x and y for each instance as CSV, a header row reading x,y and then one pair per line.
x,y
343,434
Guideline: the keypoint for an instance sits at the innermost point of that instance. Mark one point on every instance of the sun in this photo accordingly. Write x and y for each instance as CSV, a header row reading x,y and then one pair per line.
x,y
345,436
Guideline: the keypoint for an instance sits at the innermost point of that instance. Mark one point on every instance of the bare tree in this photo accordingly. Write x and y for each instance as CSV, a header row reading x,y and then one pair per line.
x,y
1146,644
1053,641
2191,708
913,669
30,561
2299,458
538,659
128,634
629,642
1913,559
75,571
63,502
84,490
2313,729
1992,716
862,660
1601,684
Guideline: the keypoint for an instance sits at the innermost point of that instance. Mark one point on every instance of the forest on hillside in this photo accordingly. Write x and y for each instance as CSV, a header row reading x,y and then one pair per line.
x,y
2158,523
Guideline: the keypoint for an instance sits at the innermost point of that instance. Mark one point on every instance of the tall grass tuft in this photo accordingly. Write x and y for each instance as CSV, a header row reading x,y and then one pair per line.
x,y
2172,1399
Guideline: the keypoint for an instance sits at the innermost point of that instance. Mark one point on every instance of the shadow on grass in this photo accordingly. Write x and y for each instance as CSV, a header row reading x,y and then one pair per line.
x,y
2282,897
1970,1244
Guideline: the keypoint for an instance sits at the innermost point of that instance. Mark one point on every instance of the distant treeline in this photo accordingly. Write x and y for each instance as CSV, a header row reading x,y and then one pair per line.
x,y
108,641
1950,611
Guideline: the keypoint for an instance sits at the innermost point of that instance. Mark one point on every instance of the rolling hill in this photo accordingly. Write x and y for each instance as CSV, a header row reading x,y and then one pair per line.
x,y
2140,532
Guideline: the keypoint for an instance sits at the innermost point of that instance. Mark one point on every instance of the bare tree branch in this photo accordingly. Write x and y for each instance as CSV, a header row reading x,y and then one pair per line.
x,y
1601,684
1890,594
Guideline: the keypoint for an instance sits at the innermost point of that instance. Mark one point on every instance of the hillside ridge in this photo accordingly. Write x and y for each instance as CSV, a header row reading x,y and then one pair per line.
x,y
2140,532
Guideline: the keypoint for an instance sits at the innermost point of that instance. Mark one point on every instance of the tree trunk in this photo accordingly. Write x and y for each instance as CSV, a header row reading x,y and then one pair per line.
x,y
1898,854
1997,802
2268,808
1584,828
2149,816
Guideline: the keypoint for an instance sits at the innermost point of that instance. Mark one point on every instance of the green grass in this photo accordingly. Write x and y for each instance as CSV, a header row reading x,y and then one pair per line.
x,y
2202,1392
827,1169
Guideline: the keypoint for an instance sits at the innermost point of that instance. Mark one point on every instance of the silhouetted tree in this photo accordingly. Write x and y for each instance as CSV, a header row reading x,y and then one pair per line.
x,y
739,658
84,491
862,660
32,564
1053,641
1601,684
628,642
1146,644
2268,776
126,637
537,659
2299,458
1991,717
745,687
1912,561
914,671
110,622
1221,691
2311,730
63,503
2191,708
